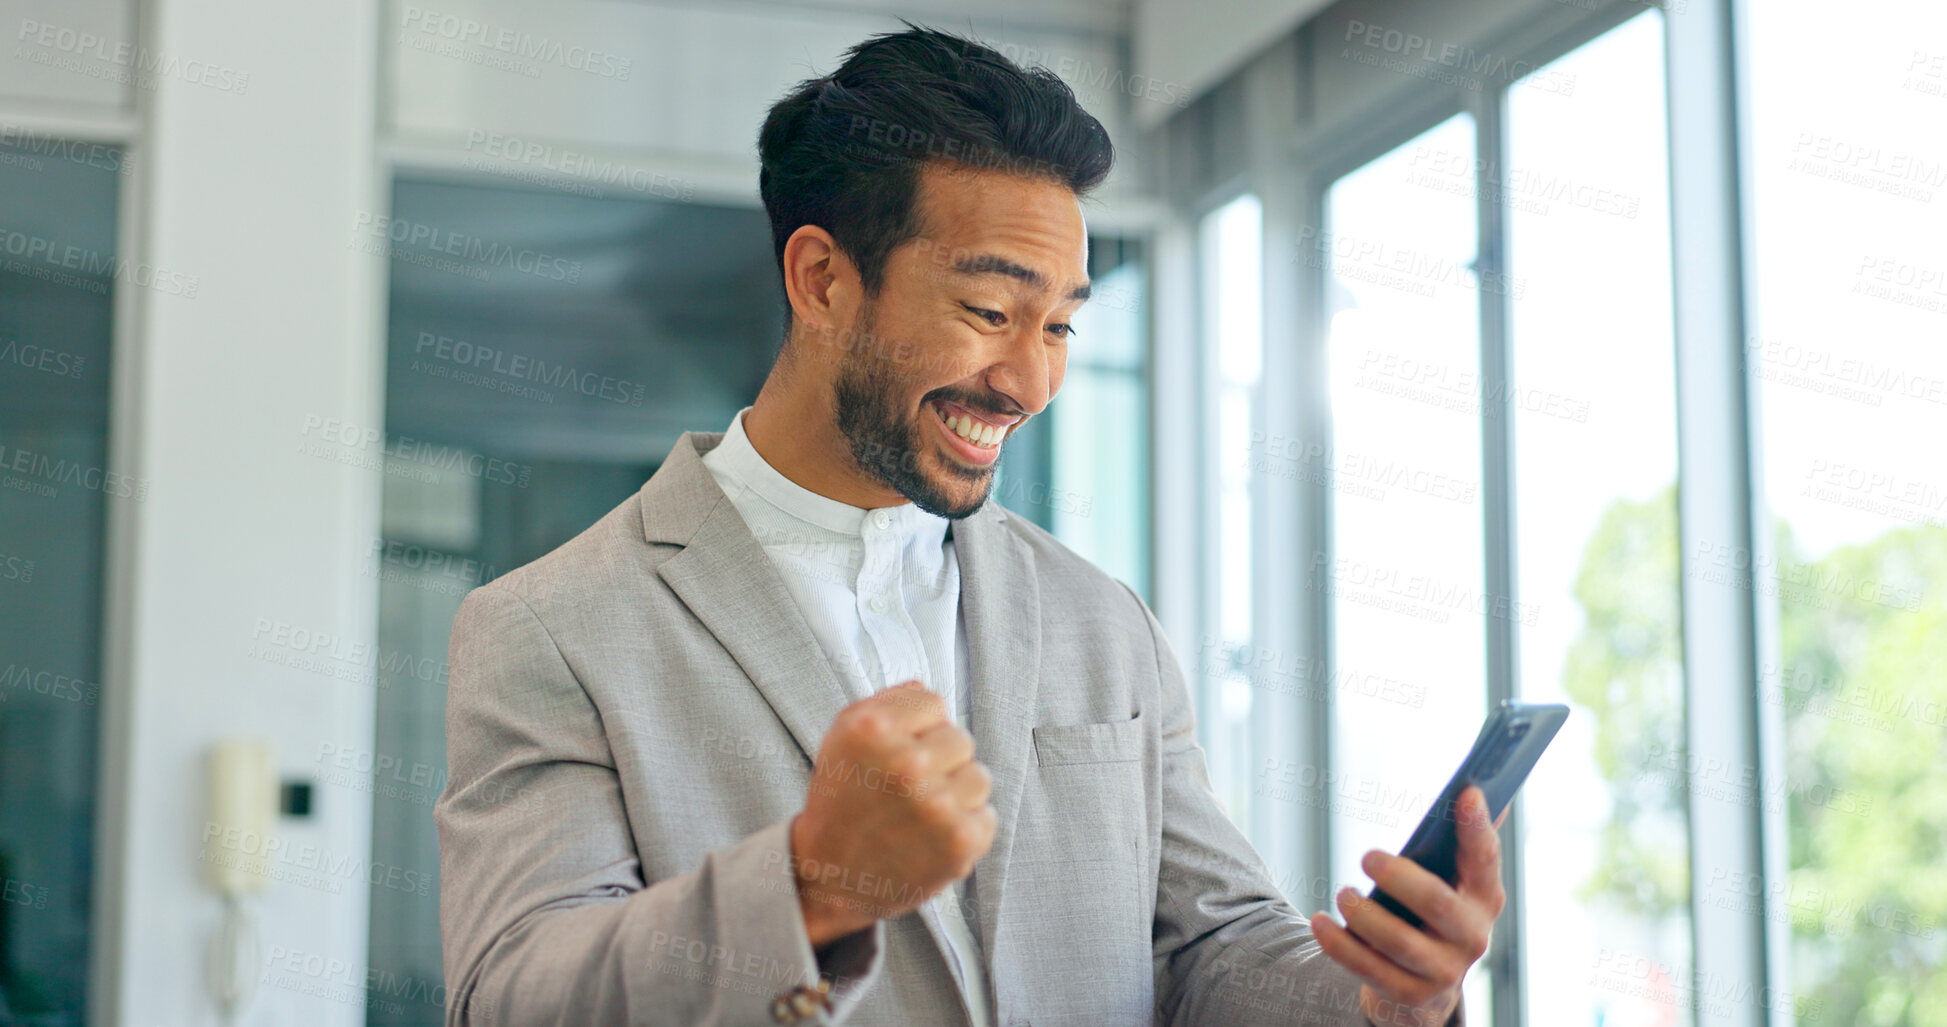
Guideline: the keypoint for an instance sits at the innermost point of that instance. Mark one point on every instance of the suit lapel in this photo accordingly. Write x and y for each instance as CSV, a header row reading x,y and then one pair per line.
x,y
725,578
1000,603
728,582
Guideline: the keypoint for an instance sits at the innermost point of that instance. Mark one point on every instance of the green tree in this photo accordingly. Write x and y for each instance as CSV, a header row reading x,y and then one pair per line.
x,y
1861,677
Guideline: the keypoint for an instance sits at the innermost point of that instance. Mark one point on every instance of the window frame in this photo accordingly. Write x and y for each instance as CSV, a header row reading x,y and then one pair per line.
x,y
1726,627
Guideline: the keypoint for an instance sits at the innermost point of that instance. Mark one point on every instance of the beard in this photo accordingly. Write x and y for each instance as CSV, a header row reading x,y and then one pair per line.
x,y
887,444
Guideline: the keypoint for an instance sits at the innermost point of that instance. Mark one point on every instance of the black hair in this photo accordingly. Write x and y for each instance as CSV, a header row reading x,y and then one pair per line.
x,y
843,151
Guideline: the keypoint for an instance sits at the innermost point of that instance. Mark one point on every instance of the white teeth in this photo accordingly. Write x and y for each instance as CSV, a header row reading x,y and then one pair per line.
x,y
975,431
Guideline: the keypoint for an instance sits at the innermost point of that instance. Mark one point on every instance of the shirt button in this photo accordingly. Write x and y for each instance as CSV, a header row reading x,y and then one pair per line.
x,y
878,604
881,520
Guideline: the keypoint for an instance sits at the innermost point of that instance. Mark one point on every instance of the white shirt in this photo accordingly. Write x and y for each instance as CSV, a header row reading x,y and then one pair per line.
x,y
881,590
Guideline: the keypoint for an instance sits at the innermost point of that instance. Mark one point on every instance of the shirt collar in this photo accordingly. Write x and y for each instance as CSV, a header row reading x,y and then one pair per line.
x,y
743,464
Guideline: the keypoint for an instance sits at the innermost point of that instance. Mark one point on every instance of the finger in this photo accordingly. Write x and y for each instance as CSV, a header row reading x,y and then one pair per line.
x,y
1385,933
972,784
1348,951
989,823
1480,852
950,746
974,838
1422,891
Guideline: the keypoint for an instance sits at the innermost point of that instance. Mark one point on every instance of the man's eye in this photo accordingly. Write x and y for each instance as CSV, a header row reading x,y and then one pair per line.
x,y
1065,331
992,317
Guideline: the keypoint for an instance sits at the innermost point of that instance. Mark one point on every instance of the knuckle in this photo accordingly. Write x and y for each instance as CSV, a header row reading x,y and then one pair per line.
x,y
935,809
951,738
910,763
967,838
864,724
922,698
979,831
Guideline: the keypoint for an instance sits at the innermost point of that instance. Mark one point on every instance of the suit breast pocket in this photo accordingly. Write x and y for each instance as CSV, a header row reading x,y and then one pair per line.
x,y
1084,800
1078,874
1118,741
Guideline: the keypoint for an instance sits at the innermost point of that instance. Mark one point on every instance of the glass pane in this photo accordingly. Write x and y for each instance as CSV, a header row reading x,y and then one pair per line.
x,y
1081,468
1232,243
1849,175
1405,577
58,274
571,378
1100,500
1605,936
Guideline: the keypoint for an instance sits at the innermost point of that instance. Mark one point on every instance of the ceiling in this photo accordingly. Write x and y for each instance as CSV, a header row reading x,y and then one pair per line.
x,y
1106,16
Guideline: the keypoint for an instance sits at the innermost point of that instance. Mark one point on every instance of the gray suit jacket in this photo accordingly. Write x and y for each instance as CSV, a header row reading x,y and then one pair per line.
x,y
631,724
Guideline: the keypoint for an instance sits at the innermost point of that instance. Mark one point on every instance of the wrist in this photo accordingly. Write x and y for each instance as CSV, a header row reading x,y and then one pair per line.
x,y
825,918
1384,1012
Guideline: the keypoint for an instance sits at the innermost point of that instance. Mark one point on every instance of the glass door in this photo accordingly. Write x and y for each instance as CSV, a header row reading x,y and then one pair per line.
x,y
58,278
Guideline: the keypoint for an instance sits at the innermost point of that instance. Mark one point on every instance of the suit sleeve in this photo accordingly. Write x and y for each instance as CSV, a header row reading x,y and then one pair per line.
x,y
544,915
1228,948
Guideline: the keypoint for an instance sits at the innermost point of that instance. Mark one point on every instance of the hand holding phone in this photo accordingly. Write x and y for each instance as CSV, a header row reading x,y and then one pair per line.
x,y
1504,752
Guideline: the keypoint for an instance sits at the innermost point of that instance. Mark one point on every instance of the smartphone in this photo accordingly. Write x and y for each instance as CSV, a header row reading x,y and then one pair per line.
x,y
1506,749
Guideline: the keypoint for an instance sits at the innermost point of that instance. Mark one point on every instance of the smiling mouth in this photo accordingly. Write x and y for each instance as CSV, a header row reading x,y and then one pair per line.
x,y
981,434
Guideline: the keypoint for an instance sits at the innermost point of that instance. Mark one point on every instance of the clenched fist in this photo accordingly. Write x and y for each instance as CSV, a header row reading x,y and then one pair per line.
x,y
896,812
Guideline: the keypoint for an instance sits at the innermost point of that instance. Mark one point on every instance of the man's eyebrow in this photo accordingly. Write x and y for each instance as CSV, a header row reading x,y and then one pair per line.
x,y
989,264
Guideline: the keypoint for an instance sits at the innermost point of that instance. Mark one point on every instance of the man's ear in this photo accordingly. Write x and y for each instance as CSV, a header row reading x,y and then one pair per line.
x,y
820,282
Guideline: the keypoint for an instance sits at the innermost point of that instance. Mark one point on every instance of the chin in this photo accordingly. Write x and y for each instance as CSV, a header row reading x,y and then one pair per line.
x,y
947,489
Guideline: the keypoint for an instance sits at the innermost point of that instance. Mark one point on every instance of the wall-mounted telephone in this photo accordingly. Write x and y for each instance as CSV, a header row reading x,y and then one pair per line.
x,y
243,801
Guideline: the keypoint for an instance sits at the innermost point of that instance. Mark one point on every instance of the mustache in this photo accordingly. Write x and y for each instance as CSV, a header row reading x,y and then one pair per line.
x,y
981,404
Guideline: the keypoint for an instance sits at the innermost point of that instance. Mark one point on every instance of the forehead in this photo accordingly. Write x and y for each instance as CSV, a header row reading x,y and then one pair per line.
x,y
1033,222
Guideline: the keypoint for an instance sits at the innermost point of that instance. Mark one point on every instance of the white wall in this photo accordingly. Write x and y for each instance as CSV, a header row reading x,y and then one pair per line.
x,y
524,89
266,317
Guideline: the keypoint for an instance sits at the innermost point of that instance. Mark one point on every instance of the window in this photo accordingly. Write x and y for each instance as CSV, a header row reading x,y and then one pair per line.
x,y
1100,500
573,382
1492,281
1233,285
1850,313
1081,468
1405,574
1592,394
58,206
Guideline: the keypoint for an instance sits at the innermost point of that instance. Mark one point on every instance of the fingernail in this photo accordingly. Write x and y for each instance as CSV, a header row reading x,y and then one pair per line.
x,y
1373,862
1348,894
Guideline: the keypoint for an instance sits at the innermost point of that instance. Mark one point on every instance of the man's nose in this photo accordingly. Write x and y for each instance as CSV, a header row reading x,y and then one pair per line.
x,y
1022,373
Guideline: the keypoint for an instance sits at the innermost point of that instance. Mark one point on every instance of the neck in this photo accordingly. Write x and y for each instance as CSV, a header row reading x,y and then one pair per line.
x,y
792,426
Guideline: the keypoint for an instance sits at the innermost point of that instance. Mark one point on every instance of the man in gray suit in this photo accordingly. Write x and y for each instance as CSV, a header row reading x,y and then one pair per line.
x,y
809,730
